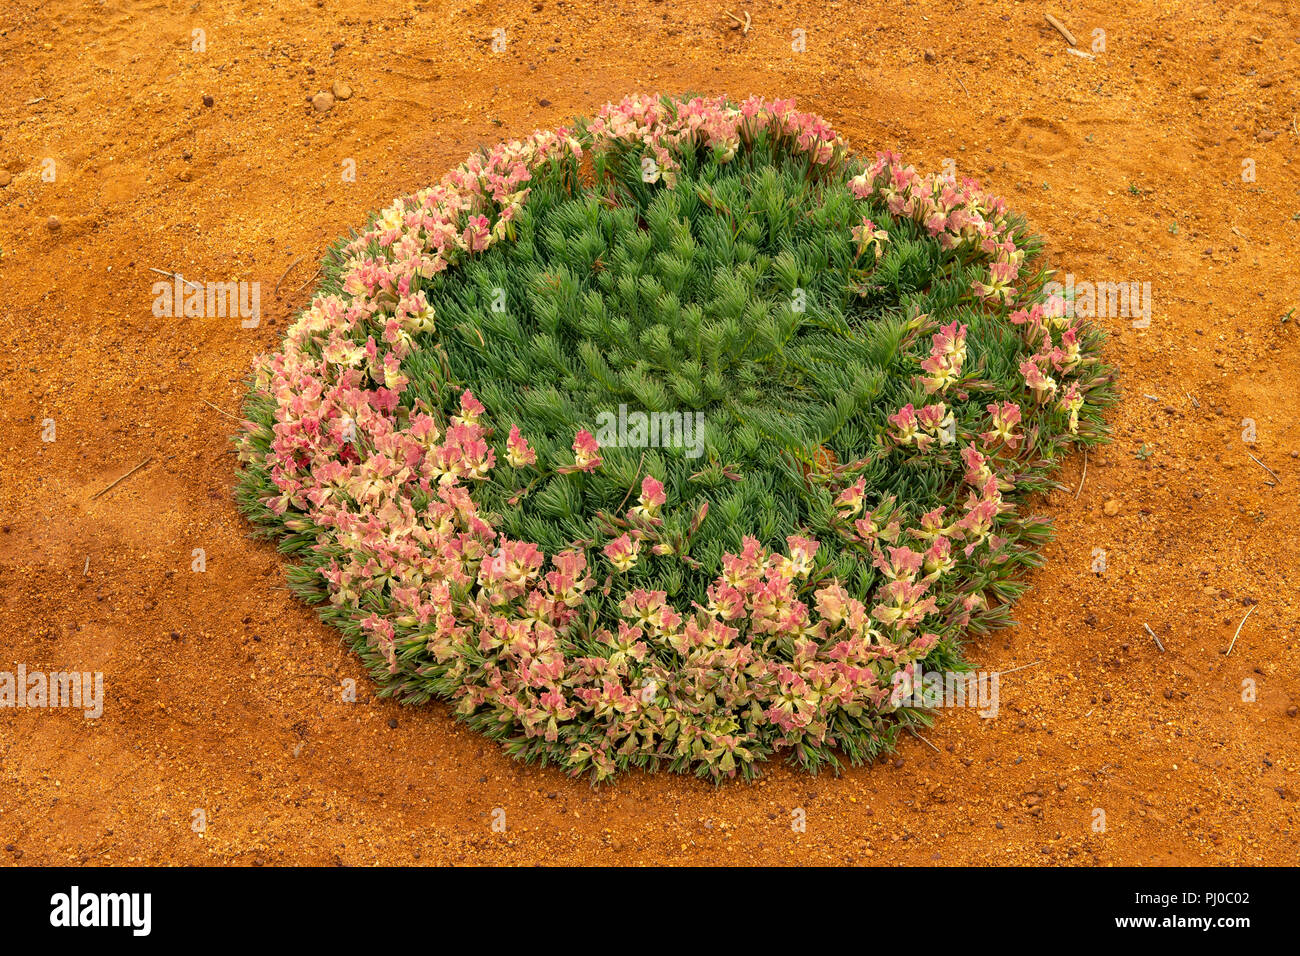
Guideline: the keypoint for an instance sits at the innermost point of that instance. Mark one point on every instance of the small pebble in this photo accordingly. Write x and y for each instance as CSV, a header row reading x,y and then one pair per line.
x,y
323,102
341,90
1111,507
207,99
53,224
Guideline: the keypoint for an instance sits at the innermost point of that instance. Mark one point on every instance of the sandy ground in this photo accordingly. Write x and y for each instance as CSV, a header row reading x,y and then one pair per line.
x,y
223,693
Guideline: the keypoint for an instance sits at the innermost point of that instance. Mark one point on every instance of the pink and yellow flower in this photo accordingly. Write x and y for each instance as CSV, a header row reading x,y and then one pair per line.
x,y
518,453
622,552
868,235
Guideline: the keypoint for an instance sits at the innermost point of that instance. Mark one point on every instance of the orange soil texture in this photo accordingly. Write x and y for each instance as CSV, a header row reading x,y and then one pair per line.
x,y
1168,157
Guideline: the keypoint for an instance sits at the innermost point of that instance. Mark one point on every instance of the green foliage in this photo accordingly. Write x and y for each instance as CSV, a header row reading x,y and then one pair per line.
x,y
737,295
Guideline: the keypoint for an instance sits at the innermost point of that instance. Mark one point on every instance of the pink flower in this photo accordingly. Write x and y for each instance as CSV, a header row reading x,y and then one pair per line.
x,y
393,377
902,564
1043,386
652,497
832,604
470,409
569,581
742,571
1005,418
849,501
977,466
904,606
977,523
940,372
622,552
725,601
800,561
1072,402
950,342
905,425
477,234
1070,348
585,451
998,288
868,236
518,454
873,526
650,610
936,420
938,559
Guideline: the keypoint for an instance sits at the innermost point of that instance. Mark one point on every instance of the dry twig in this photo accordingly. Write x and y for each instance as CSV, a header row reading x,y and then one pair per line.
x,y
285,273
923,740
176,275
1062,29
221,410
1239,627
1153,636
744,24
105,491
1264,466
309,278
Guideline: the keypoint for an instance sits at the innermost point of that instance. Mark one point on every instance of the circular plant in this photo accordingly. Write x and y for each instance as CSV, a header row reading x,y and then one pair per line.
x,y
674,440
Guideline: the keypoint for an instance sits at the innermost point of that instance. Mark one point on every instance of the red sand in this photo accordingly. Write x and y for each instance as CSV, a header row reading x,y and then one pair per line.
x,y
223,691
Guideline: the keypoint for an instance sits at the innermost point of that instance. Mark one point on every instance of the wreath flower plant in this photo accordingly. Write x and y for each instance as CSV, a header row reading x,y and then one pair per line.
x,y
880,382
